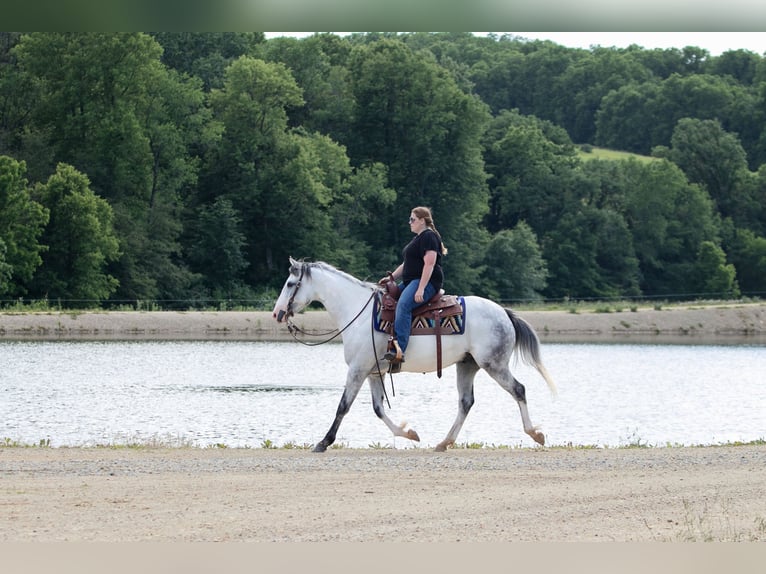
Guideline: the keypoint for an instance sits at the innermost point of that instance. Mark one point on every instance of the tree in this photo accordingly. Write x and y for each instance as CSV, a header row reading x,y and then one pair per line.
x,y
738,64
591,77
80,238
668,218
110,109
590,254
318,65
216,248
252,109
6,271
513,265
714,159
621,118
19,94
701,96
747,252
206,55
22,221
411,116
531,166
357,206
283,182
715,277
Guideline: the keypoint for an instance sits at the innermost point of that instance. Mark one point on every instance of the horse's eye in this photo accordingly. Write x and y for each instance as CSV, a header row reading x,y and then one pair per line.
x,y
291,284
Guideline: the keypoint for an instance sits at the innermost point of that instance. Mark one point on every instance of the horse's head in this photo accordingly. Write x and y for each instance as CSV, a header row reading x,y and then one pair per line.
x,y
293,298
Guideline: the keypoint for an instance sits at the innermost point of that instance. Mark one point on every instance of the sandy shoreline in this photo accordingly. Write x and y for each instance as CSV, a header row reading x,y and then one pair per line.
x,y
730,323
368,495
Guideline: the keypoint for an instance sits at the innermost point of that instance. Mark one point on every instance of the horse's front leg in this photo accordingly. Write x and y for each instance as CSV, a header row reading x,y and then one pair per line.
x,y
378,395
354,380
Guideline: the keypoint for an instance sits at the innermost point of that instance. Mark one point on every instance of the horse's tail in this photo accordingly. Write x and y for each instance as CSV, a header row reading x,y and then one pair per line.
x,y
528,346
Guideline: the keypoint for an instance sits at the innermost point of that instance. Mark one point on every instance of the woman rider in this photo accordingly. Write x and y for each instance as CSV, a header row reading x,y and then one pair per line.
x,y
421,277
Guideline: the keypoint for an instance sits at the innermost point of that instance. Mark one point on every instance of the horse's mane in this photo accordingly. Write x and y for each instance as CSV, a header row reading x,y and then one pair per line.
x,y
308,266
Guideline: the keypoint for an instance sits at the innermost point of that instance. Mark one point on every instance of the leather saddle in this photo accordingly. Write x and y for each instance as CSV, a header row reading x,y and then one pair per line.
x,y
442,314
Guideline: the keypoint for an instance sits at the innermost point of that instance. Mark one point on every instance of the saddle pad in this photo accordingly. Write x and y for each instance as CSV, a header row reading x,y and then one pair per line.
x,y
424,324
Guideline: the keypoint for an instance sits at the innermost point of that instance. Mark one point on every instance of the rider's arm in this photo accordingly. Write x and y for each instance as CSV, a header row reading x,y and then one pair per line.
x,y
429,260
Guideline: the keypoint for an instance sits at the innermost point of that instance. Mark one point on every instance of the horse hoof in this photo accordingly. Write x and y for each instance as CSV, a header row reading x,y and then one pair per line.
x,y
442,446
539,438
412,435
320,448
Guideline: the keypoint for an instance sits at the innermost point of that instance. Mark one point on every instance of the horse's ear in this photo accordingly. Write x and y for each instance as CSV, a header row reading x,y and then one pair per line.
x,y
293,262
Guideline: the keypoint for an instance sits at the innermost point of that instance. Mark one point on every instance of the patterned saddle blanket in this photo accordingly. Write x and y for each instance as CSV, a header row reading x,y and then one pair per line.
x,y
442,314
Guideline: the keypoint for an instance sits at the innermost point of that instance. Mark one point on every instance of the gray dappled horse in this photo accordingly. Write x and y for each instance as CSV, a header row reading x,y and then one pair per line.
x,y
491,335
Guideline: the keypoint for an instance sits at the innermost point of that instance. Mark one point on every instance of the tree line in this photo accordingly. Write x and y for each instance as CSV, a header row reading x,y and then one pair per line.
x,y
184,168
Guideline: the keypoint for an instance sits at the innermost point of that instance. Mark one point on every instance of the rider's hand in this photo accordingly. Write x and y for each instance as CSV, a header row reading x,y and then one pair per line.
x,y
385,279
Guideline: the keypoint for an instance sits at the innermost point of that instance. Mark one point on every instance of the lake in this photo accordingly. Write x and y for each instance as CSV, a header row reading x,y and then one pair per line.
x,y
247,394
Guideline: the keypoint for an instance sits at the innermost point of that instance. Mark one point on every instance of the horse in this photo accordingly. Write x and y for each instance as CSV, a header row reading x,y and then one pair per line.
x,y
491,335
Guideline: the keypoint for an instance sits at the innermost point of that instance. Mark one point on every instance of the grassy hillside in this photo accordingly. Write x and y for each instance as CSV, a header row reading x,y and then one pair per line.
x,y
609,154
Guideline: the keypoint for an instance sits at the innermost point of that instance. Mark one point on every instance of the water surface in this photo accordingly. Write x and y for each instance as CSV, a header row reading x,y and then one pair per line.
x,y
242,394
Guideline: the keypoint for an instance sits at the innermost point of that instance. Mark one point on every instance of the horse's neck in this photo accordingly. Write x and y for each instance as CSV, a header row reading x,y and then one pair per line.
x,y
342,298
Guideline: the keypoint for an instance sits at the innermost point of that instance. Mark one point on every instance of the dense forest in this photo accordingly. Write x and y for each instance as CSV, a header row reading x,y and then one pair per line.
x,y
182,169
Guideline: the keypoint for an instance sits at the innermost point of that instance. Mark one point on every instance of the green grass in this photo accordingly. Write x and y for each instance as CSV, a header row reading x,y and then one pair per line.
x,y
715,521
587,153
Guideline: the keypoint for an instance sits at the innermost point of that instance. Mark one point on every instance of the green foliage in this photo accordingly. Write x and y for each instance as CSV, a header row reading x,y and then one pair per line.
x,y
216,250
669,219
514,267
21,224
108,108
716,277
748,255
410,115
80,239
219,155
206,55
590,252
529,163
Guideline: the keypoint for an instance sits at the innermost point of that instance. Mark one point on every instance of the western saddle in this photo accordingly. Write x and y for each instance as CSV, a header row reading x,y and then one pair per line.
x,y
426,318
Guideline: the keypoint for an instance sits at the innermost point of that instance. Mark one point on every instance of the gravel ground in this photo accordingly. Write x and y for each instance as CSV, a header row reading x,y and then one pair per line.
x,y
368,495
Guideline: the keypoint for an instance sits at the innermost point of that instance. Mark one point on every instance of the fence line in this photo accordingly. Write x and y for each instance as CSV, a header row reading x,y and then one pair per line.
x,y
260,304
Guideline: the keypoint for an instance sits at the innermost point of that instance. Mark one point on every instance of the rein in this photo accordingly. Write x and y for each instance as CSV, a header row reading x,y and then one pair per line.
x,y
293,329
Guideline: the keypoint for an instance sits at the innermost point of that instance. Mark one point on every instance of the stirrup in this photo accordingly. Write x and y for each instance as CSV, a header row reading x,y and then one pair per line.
x,y
394,353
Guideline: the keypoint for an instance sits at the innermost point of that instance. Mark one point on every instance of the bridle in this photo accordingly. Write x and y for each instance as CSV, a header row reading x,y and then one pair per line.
x,y
291,300
294,329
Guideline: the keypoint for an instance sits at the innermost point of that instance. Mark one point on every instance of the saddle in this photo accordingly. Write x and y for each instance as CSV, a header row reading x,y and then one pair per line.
x,y
442,314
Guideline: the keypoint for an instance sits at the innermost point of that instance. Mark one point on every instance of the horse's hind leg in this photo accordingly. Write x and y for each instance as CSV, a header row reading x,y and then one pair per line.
x,y
466,371
506,380
354,382
378,395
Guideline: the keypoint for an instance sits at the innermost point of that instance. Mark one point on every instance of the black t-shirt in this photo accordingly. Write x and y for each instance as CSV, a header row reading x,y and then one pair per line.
x,y
413,255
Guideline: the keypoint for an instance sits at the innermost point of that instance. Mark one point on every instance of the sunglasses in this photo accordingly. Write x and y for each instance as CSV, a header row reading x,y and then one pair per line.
x,y
412,219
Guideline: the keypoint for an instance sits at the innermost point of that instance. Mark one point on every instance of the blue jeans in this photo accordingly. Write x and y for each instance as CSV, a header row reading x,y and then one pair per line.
x,y
403,320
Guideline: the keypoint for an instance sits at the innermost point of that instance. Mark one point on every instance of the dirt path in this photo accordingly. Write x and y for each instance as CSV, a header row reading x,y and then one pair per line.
x,y
173,495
